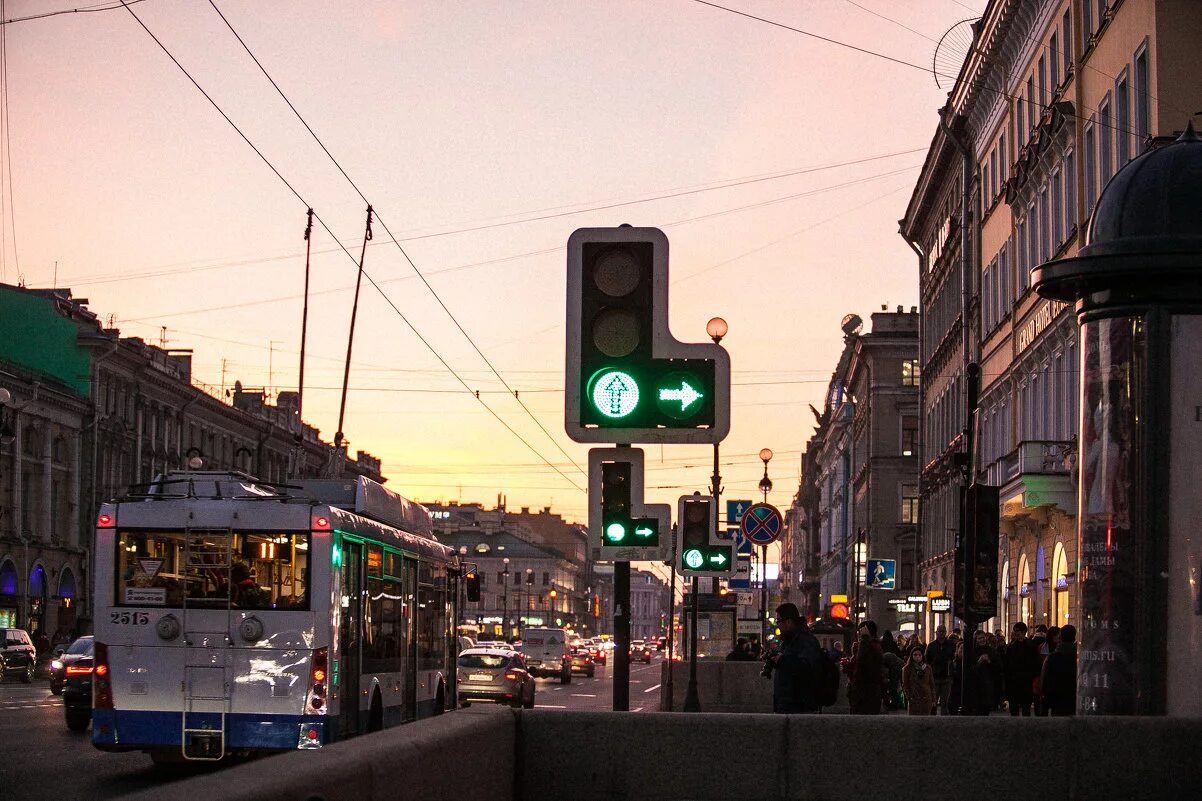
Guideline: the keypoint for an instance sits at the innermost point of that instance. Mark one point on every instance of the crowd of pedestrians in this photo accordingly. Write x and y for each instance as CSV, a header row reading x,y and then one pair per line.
x,y
1032,673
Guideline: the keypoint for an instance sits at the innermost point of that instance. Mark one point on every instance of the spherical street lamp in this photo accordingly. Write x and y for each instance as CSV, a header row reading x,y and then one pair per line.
x,y
716,328
765,482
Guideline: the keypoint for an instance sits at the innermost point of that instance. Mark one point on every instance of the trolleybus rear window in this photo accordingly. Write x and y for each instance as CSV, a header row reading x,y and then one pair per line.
x,y
213,569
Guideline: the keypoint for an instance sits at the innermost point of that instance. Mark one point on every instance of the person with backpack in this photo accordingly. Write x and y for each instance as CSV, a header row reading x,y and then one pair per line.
x,y
796,665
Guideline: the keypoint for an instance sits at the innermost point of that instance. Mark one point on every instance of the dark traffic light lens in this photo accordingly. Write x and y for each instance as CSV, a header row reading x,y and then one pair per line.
x,y
616,272
616,332
695,512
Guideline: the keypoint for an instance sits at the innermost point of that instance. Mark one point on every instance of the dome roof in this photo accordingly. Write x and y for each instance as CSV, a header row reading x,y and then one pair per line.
x,y
1155,197
1145,232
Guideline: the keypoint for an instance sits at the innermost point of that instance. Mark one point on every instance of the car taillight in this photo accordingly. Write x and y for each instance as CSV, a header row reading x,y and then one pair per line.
x,y
81,670
511,675
315,700
102,687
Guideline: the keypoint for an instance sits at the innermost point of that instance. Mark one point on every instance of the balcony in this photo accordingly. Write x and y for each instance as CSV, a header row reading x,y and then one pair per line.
x,y
1035,474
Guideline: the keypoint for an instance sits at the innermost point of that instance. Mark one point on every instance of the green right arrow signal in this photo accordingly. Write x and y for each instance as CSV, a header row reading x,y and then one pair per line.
x,y
718,558
686,395
643,531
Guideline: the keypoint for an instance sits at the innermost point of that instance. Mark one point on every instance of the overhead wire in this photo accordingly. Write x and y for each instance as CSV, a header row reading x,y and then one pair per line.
x,y
81,10
323,224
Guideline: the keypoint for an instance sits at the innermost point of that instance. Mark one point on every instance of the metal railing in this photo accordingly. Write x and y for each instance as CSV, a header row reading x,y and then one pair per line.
x,y
1034,457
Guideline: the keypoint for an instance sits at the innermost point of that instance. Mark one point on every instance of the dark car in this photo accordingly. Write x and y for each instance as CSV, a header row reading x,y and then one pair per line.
x,y
582,662
19,657
640,651
497,675
58,666
77,691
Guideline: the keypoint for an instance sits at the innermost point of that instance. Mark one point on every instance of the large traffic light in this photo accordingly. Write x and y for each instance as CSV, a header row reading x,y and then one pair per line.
x,y
701,554
621,527
627,378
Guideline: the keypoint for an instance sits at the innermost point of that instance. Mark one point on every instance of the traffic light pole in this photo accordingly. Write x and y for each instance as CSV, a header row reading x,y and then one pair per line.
x,y
692,702
622,636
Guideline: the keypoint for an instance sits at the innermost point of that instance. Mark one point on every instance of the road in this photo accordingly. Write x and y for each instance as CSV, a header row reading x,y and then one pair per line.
x,y
42,759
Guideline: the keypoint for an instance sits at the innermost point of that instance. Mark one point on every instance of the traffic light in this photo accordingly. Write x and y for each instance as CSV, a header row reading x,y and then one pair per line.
x,y
839,611
621,527
627,378
473,586
700,553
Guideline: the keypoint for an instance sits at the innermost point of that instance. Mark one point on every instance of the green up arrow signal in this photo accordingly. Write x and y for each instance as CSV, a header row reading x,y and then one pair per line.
x,y
694,559
686,395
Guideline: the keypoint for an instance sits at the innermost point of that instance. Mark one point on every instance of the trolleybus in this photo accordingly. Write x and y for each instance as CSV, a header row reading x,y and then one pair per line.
x,y
235,616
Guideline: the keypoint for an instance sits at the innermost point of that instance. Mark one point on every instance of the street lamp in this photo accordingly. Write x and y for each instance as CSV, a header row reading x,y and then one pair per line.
x,y
7,435
765,487
505,601
526,598
765,482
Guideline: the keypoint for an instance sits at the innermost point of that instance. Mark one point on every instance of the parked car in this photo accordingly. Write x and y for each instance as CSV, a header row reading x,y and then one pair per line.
x,y
495,675
77,691
18,654
547,653
79,649
581,661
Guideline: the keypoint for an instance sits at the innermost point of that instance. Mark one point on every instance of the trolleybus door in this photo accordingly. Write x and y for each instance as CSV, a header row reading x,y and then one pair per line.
x,y
350,638
410,659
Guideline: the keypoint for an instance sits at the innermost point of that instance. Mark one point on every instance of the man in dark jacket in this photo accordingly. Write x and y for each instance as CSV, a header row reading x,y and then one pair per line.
x,y
1021,665
1059,679
796,664
939,656
867,673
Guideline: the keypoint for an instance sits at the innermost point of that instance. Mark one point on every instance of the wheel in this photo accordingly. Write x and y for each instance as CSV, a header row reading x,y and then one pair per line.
x,y
78,719
56,689
530,703
566,678
440,701
375,717
27,676
163,758
591,672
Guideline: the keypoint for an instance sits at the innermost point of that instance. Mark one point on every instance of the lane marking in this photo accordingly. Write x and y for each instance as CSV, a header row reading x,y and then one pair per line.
x,y
550,706
651,689
583,695
639,709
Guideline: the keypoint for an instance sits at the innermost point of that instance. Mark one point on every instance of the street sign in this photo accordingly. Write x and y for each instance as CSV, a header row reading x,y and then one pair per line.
x,y
746,598
621,527
740,579
735,511
742,544
627,378
762,524
881,574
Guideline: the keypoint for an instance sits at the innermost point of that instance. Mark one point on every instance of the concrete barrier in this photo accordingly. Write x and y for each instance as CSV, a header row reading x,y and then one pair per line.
x,y
440,758
721,686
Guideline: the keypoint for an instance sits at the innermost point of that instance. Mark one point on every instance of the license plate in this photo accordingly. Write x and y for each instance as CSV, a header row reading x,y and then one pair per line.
x,y
534,661
480,677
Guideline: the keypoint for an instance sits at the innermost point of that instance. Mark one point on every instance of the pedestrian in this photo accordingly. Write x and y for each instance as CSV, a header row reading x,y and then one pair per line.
x,y
918,682
1021,666
867,672
955,701
795,664
1059,678
888,644
739,654
986,675
939,655
893,679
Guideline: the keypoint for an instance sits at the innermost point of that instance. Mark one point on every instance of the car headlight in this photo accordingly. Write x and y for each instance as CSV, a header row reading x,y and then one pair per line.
x,y
56,665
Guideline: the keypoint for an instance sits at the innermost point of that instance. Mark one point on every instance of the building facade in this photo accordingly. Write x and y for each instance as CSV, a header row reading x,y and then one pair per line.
x,y
1055,97
92,413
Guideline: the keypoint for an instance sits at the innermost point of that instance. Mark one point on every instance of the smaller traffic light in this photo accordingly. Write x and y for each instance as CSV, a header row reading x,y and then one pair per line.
x,y
839,611
473,586
701,554
621,527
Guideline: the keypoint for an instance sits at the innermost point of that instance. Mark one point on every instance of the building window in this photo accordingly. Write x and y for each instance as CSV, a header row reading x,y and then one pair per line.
x,y
1142,97
993,177
909,505
909,436
1033,109
1066,25
910,373
1104,142
1020,135
501,579
1045,233
1043,86
1070,191
1054,62
1057,212
1091,167
546,579
1122,119
1086,21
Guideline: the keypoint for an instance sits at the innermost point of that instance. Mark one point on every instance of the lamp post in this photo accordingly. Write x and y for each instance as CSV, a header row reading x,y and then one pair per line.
x,y
505,601
7,434
526,598
765,487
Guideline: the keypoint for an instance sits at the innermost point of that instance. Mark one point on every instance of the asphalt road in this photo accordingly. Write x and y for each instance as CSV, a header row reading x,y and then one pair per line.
x,y
41,759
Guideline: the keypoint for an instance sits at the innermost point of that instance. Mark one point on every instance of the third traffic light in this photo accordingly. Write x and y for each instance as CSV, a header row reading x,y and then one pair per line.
x,y
700,554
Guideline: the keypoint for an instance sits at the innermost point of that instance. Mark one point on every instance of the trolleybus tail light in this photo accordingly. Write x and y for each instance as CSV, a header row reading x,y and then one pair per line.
x,y
104,520
310,735
103,687
321,523
318,671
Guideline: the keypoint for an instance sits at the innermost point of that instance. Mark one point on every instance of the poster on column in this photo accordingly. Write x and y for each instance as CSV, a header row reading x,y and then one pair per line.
x,y
1114,357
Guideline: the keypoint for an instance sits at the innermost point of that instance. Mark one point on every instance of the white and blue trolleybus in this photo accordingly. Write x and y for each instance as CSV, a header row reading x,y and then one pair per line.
x,y
234,616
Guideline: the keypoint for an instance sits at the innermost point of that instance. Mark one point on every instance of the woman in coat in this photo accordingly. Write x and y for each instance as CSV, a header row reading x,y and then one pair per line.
x,y
918,682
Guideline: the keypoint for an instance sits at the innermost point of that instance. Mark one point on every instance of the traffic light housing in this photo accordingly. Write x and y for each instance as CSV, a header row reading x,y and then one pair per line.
x,y
700,552
627,378
621,527
472,581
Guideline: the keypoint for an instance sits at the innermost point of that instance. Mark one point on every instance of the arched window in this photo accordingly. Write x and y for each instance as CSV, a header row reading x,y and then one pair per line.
x,y
1024,591
8,579
66,583
1060,611
1005,617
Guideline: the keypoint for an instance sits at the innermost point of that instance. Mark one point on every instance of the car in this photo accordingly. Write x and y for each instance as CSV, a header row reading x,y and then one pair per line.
x,y
598,653
58,666
547,653
581,661
640,651
77,690
17,653
494,675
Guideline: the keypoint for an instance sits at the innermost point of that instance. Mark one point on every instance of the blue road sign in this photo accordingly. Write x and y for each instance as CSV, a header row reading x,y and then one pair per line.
x,y
742,544
735,511
882,574
762,524
741,578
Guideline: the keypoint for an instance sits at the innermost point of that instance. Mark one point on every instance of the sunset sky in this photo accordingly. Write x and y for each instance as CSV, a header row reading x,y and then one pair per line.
x,y
476,115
